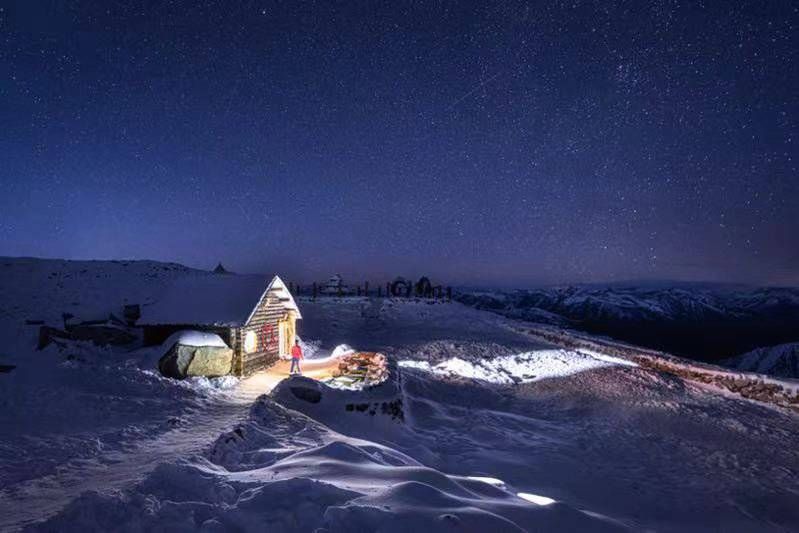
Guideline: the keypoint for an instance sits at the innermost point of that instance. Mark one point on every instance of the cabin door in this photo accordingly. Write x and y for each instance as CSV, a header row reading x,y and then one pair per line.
x,y
285,336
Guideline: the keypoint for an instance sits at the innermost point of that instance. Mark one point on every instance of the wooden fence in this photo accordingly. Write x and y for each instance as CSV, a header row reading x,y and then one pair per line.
x,y
379,290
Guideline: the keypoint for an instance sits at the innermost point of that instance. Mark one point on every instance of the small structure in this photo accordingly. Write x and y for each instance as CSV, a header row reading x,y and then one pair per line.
x,y
401,287
221,269
334,286
131,313
255,319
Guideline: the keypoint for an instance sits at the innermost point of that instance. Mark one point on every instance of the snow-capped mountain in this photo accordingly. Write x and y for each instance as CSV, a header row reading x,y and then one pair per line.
x,y
780,361
697,320
585,303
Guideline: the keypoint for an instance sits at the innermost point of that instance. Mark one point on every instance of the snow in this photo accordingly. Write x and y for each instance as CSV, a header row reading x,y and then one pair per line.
x,y
696,302
341,350
778,361
194,338
535,498
224,300
94,439
519,368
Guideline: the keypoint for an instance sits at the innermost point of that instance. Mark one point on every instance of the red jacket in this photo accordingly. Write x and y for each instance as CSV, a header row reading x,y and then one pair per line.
x,y
296,352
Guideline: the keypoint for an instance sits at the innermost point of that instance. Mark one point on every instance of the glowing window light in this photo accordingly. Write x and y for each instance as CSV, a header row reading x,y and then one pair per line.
x,y
250,342
536,499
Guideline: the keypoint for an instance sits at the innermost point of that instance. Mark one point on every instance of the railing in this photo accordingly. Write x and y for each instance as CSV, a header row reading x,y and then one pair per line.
x,y
397,289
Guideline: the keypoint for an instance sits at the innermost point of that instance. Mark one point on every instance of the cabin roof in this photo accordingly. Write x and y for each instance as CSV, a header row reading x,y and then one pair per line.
x,y
227,300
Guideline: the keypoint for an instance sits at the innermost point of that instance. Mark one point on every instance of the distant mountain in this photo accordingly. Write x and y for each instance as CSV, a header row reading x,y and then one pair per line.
x,y
701,321
781,361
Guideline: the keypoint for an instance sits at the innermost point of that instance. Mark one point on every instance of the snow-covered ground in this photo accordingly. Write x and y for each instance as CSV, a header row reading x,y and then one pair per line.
x,y
480,427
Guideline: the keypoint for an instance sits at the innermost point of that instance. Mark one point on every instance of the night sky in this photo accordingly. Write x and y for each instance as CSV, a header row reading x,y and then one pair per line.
x,y
504,144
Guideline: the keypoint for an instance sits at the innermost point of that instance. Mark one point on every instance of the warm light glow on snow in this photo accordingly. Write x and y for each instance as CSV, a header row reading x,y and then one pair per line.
x,y
536,499
250,342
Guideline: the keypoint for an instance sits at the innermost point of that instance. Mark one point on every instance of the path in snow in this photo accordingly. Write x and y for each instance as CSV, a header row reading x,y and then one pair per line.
x,y
195,430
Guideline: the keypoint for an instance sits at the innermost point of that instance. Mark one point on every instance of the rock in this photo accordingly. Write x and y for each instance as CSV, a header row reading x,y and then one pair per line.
x,y
211,361
184,361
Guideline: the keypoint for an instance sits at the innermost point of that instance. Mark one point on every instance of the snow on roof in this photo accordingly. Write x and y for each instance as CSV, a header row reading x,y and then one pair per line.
x,y
214,300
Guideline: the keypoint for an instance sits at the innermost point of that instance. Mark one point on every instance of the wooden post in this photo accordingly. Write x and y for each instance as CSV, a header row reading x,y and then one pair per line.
x,y
359,290
380,292
366,288
314,290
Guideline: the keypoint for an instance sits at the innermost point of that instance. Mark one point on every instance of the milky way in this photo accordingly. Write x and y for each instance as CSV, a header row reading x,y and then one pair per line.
x,y
503,144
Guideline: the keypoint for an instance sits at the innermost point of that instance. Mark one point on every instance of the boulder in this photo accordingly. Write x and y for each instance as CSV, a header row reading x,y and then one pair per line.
x,y
183,361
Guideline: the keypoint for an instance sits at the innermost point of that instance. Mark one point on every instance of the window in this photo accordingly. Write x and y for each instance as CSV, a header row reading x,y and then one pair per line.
x,y
250,342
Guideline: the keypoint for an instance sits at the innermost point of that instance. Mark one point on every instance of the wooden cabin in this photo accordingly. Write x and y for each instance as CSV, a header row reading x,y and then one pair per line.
x,y
255,317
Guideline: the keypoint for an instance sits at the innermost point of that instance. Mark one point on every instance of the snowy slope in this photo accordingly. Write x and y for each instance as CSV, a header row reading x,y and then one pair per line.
x,y
67,413
42,289
498,431
780,361
605,450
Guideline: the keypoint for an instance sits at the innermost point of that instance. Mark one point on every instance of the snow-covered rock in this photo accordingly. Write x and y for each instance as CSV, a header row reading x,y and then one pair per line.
x,y
190,337
195,353
781,361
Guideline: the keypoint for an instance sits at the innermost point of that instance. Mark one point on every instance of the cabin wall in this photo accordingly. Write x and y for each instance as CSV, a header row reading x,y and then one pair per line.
x,y
265,323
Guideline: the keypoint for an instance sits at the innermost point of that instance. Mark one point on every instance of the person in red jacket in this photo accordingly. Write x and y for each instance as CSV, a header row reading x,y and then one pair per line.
x,y
296,356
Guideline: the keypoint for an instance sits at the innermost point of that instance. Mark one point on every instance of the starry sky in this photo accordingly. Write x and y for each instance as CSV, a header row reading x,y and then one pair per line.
x,y
504,143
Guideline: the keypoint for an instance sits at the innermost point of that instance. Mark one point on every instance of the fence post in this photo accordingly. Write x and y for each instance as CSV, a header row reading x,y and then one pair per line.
x,y
314,290
366,288
379,292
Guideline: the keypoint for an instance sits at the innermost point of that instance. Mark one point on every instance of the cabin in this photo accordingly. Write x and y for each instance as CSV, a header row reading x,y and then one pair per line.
x,y
255,317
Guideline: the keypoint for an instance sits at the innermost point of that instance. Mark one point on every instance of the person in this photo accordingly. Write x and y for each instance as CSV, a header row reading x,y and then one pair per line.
x,y
296,356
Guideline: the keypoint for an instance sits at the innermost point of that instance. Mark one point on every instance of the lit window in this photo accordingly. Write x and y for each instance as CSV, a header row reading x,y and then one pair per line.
x,y
250,342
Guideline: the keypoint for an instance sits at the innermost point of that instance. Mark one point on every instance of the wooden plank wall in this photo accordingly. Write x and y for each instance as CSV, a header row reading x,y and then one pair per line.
x,y
264,323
